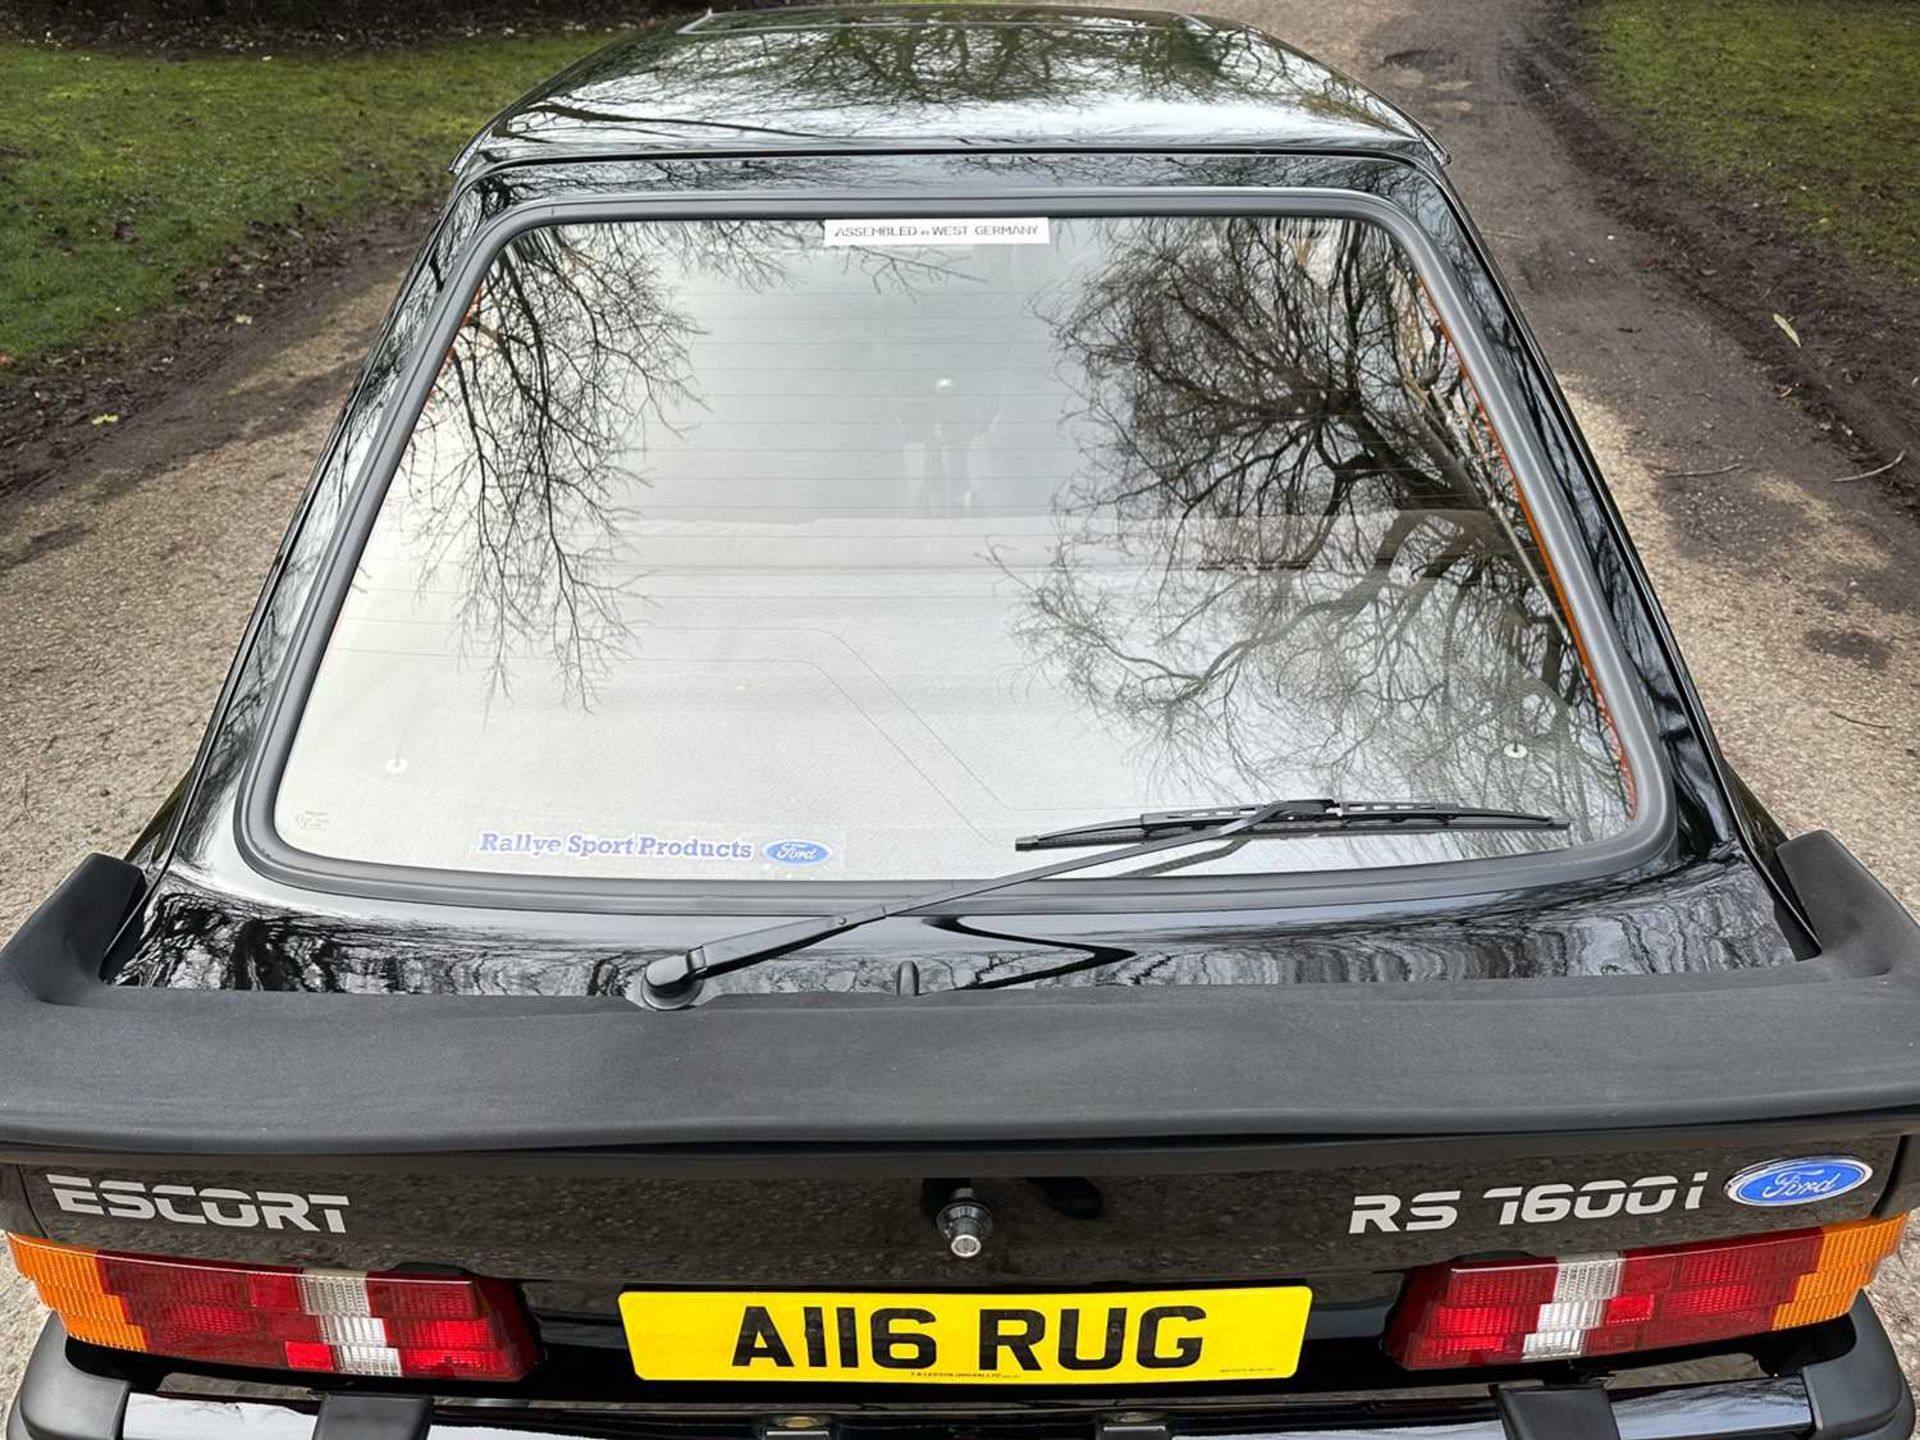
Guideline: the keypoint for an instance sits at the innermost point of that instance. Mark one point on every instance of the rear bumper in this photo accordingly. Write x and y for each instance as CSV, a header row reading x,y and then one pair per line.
x,y
1858,1394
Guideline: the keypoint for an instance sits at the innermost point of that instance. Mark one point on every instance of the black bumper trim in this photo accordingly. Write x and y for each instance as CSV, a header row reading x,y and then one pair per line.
x,y
1862,1394
1557,1412
60,1401
374,1417
1859,1394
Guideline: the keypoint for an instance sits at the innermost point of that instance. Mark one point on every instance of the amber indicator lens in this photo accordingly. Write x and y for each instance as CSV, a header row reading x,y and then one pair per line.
x,y
1504,1312
348,1322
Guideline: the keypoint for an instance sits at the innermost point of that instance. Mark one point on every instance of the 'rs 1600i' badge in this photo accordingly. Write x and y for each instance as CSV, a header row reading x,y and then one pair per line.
x,y
1798,1182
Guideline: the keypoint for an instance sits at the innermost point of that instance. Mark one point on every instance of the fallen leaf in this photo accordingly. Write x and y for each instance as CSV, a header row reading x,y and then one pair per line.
x,y
248,320
106,420
1784,324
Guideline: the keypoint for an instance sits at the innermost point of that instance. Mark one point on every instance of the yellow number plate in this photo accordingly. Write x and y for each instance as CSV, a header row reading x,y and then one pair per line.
x,y
1172,1336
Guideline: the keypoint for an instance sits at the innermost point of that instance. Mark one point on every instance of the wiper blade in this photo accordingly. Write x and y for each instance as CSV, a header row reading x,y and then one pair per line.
x,y
673,981
1296,817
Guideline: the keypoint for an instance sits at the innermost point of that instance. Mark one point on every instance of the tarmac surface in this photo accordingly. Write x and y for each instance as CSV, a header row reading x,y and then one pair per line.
x,y
1795,591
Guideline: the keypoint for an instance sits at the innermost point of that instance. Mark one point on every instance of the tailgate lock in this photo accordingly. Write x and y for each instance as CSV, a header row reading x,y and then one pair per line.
x,y
964,1222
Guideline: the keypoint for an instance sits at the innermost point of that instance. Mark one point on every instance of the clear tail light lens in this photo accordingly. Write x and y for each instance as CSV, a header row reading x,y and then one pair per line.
x,y
348,1322
1506,1312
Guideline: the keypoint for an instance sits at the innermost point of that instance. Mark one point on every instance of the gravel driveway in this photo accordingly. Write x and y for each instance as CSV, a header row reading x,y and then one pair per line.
x,y
1795,592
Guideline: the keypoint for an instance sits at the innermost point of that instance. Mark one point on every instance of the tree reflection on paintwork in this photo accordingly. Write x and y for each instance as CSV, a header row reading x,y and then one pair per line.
x,y
992,77
196,941
1296,539
1711,918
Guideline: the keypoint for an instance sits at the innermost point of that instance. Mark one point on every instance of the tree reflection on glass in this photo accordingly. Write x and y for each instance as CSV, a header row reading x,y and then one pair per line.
x,y
513,476
1296,545
1254,537
529,461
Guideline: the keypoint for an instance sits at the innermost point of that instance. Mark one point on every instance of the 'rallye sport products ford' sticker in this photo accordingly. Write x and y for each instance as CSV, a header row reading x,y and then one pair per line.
x,y
797,852
663,847
586,844
1144,1336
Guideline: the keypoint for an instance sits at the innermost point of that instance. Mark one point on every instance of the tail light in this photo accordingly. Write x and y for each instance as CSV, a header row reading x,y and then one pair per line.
x,y
1500,1312
411,1326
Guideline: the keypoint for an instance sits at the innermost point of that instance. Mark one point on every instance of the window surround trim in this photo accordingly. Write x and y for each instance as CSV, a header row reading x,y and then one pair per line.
x,y
1647,833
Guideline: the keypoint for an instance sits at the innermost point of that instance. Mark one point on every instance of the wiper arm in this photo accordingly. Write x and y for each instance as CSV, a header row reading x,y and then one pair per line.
x,y
1295,817
673,981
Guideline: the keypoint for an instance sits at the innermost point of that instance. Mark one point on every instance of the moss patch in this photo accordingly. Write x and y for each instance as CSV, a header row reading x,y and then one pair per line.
x,y
1804,107
122,176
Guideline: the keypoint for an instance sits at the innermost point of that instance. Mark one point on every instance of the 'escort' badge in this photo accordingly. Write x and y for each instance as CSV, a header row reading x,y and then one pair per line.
x,y
191,1205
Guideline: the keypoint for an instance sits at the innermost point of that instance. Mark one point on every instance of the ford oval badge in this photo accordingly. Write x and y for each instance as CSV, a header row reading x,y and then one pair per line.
x,y
796,852
1798,1182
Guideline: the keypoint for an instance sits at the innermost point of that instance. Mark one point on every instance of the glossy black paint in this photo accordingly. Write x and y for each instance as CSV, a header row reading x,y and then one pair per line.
x,y
211,921
846,111
590,1237
578,1238
1707,831
1709,903
1074,1070
1711,917
926,78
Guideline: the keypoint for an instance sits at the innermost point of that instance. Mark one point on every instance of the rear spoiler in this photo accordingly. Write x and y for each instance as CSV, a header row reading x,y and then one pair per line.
x,y
91,1067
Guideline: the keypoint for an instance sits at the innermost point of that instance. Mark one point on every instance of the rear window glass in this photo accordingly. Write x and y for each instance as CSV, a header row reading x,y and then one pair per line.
x,y
853,550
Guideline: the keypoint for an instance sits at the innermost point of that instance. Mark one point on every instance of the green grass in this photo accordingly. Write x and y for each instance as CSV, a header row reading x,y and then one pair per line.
x,y
1807,106
179,156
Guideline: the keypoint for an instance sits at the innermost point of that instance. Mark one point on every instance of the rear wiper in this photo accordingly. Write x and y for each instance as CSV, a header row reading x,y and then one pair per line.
x,y
672,981
1296,817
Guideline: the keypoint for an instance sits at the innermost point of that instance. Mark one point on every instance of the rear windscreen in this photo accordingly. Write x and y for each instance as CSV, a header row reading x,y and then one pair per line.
x,y
750,550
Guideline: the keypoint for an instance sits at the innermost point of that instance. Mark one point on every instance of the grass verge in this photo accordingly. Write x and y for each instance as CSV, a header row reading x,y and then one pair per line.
x,y
122,176
1803,107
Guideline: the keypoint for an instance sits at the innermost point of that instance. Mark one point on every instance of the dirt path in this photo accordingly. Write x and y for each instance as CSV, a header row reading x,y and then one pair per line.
x,y
122,596
1796,593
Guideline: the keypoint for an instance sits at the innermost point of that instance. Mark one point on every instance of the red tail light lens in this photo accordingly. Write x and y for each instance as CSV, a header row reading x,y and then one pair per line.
x,y
411,1326
1504,1312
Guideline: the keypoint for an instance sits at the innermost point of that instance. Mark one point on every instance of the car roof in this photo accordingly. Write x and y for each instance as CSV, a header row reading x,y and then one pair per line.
x,y
901,77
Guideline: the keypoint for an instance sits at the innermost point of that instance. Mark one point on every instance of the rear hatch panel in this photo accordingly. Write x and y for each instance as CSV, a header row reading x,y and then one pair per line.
x,y
575,1235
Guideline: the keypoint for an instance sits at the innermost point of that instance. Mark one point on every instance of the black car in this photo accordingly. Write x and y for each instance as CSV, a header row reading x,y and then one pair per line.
x,y
956,743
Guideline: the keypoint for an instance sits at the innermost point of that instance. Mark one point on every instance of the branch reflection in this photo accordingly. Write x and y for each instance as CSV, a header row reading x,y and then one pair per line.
x,y
530,454
1296,542
777,74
